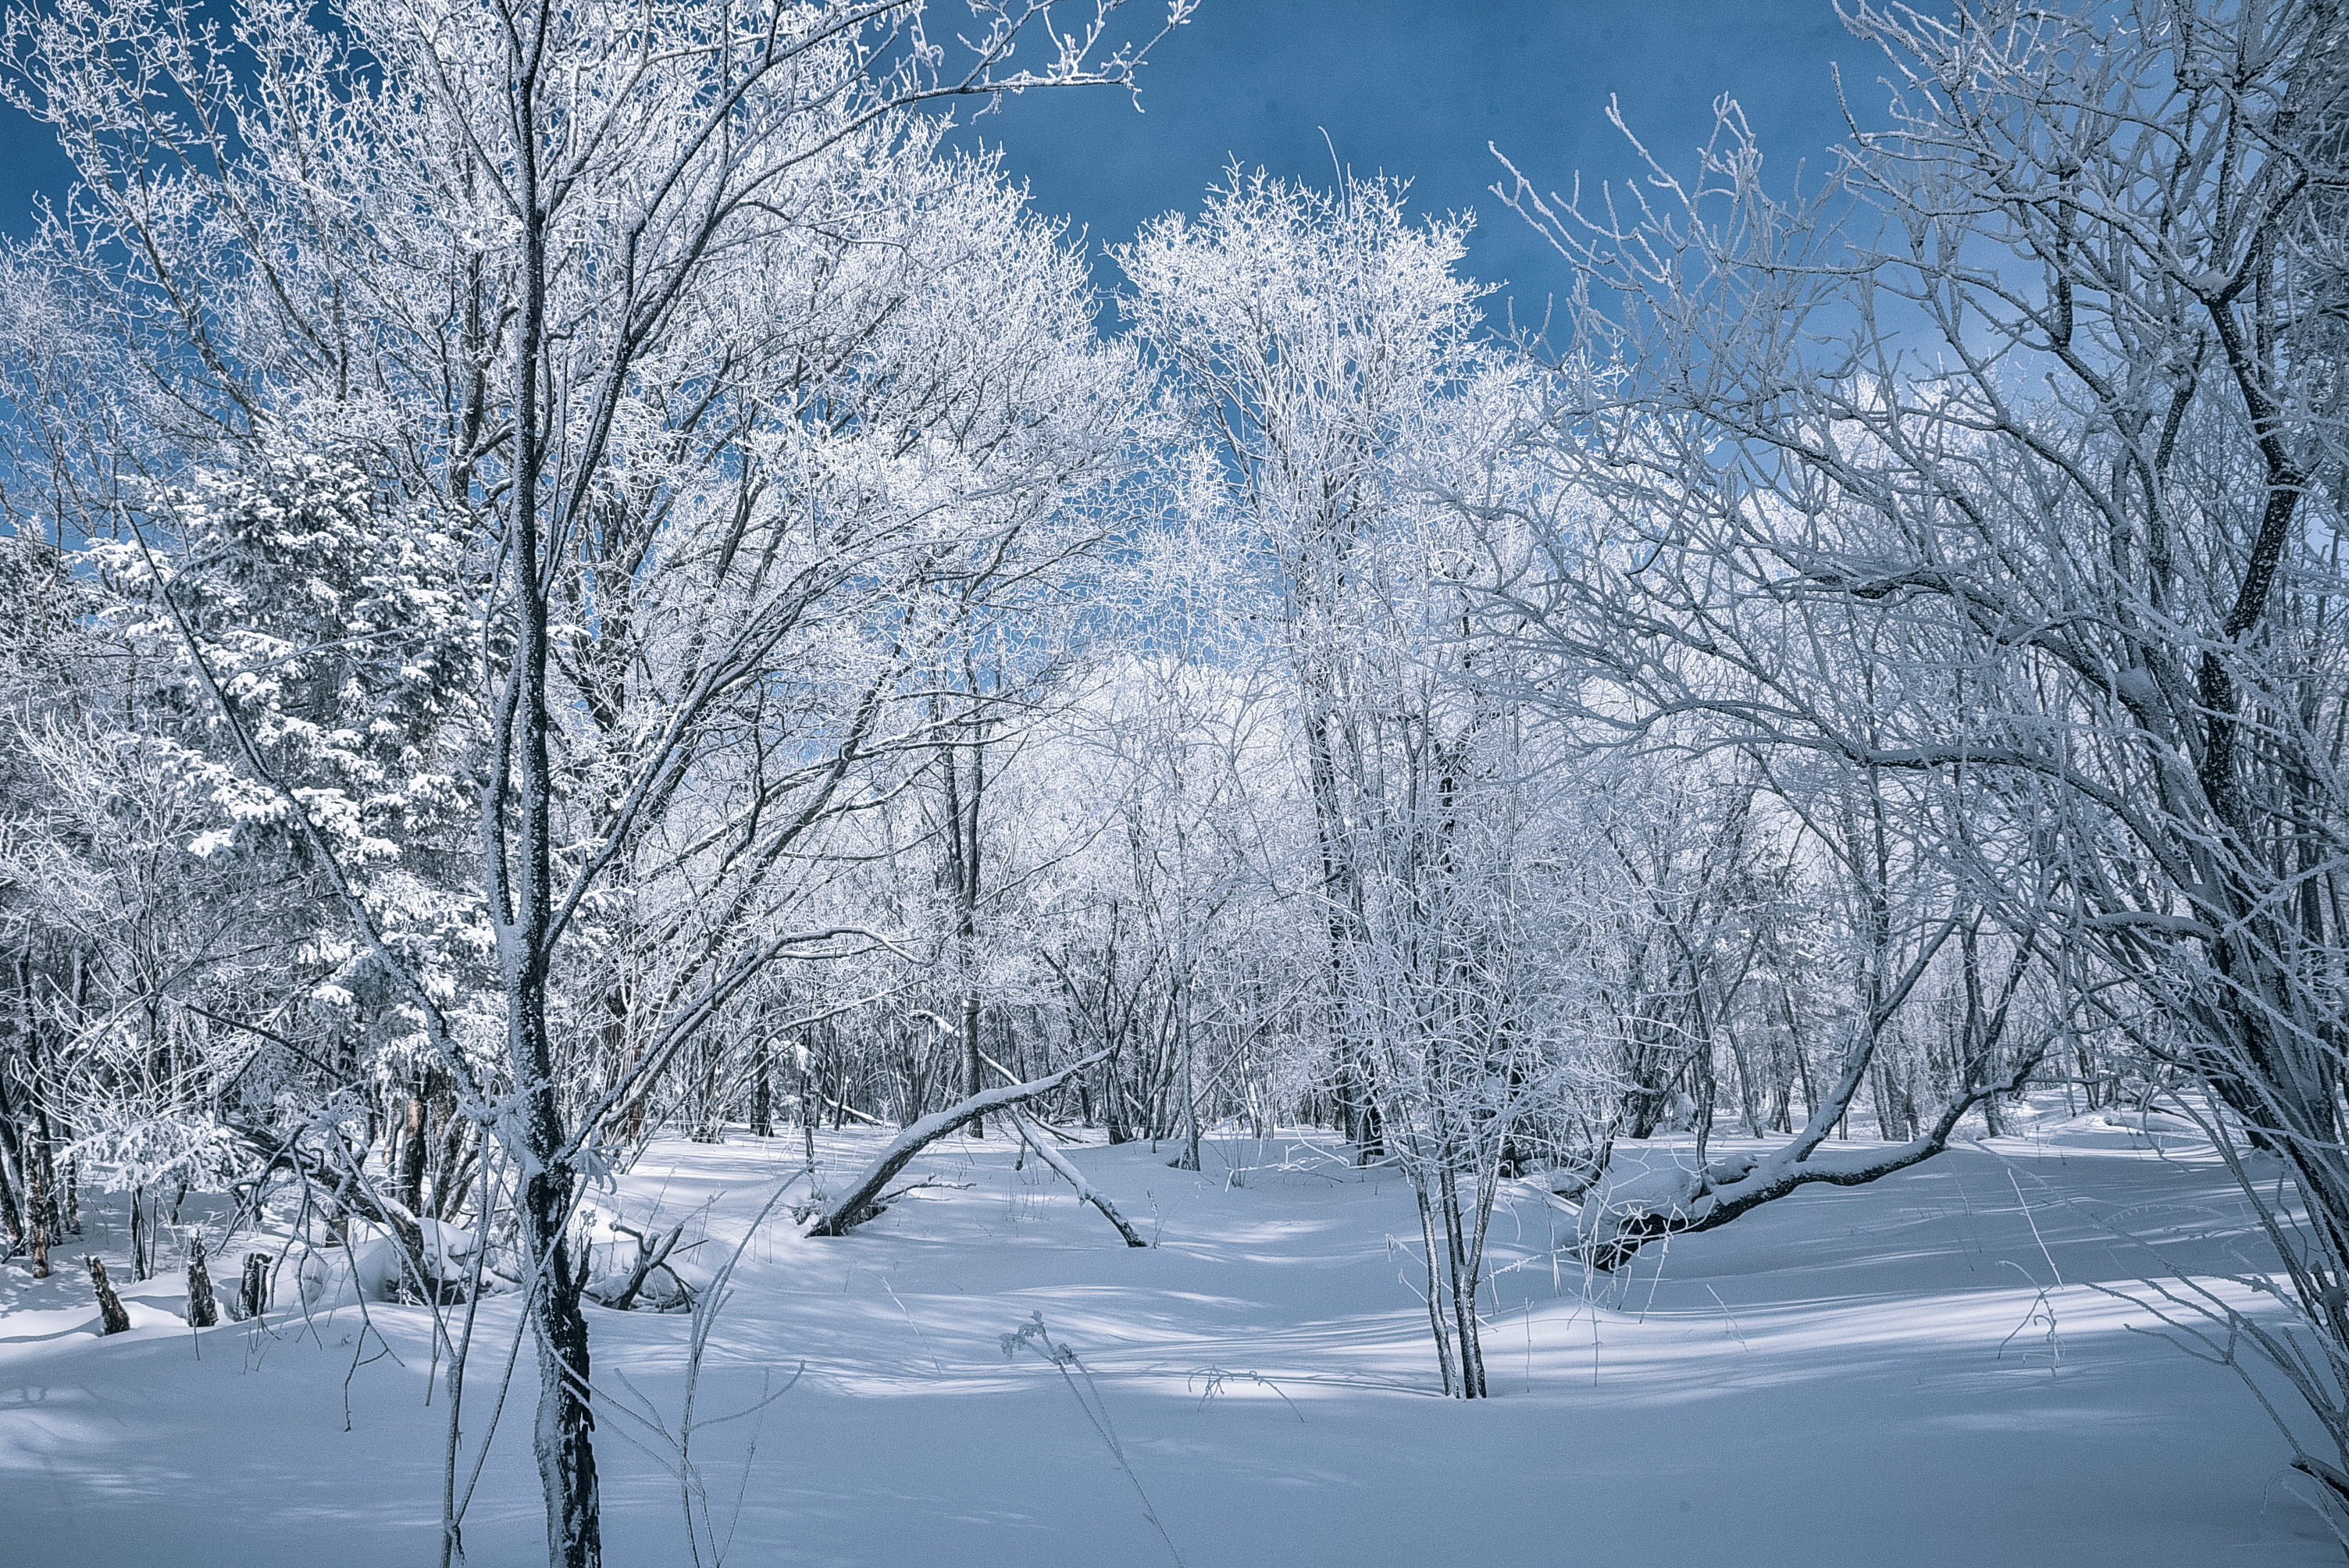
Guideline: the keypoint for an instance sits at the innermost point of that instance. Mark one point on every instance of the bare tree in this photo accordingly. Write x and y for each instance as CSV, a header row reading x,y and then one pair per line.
x,y
1308,333
517,255
2085,540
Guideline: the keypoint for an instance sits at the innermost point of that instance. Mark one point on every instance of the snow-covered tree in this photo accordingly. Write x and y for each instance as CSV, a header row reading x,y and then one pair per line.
x,y
2080,542
1325,353
1307,335
589,290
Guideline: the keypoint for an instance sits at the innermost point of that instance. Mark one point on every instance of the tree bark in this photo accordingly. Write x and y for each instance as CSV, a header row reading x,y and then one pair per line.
x,y
203,1310
252,1289
40,1204
112,1318
410,1183
762,1096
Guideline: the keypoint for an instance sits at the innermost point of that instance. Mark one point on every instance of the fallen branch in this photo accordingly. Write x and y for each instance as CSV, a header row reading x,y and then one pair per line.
x,y
652,1252
1084,1188
1616,1224
862,1200
850,1110
924,1185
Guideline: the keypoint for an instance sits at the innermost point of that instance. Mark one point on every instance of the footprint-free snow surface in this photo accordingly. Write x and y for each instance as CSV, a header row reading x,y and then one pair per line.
x,y
1887,1374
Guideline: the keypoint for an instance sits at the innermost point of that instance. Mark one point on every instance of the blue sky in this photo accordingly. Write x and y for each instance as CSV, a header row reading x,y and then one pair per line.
x,y
1417,88
1408,88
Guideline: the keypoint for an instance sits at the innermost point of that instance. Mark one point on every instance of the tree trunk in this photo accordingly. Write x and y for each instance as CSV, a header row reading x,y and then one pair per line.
x,y
973,1081
40,1204
517,855
42,1213
203,1311
112,1318
1189,1160
142,1241
762,1098
1463,1277
252,1289
410,1183
561,1437
452,1170
12,1205
1434,1290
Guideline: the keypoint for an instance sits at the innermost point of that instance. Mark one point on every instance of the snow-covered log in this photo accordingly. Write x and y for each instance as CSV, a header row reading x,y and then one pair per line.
x,y
1076,1179
619,1292
859,1204
1028,1117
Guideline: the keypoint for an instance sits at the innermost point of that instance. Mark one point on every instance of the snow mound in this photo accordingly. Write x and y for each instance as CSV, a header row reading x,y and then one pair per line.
x,y
372,1265
1567,1181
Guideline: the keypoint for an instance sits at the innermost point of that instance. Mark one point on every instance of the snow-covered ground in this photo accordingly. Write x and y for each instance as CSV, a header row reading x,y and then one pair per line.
x,y
1885,1376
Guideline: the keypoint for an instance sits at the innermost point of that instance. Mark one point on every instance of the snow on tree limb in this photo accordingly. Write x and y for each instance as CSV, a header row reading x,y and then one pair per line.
x,y
1084,1188
857,1205
1624,1213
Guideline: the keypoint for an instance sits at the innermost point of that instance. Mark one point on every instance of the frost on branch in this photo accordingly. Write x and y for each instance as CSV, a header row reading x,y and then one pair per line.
x,y
861,1201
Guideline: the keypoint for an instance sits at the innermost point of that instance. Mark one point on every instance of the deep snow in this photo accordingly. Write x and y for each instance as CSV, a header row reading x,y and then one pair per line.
x,y
1848,1377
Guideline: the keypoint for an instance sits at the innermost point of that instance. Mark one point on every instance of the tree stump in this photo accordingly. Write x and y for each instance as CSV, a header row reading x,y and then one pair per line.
x,y
112,1318
253,1293
203,1311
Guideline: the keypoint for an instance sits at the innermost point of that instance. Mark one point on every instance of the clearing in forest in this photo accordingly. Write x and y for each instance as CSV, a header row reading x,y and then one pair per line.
x,y
1918,1372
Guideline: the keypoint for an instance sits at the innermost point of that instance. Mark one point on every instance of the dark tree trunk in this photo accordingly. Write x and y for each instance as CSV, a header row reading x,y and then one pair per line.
x,y
762,1100
517,855
252,1289
452,1167
41,1210
203,1311
40,1204
112,1318
563,1437
142,1234
962,873
974,1081
410,1184
12,1207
